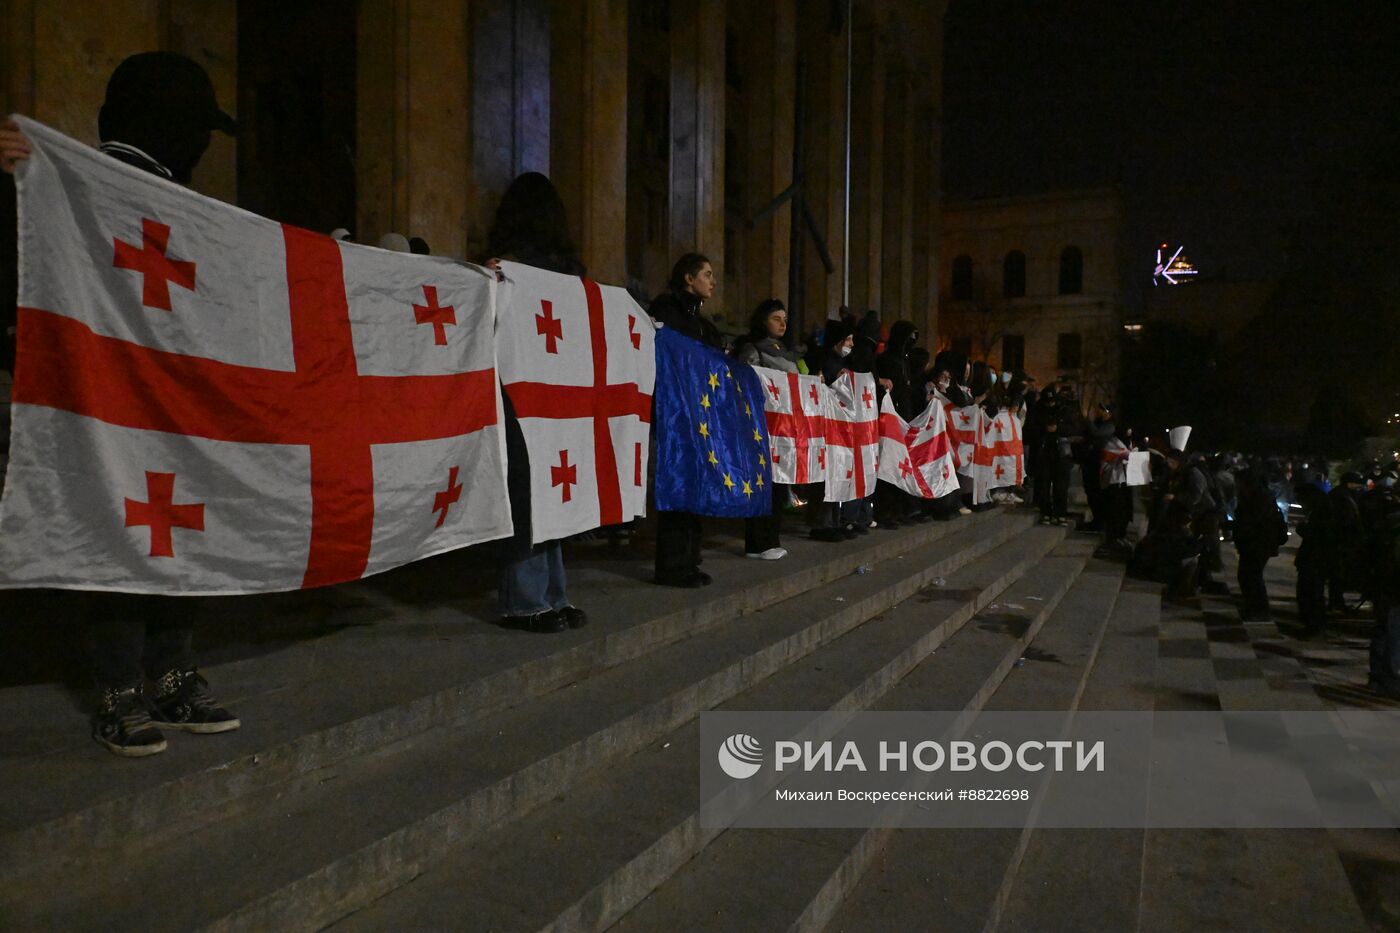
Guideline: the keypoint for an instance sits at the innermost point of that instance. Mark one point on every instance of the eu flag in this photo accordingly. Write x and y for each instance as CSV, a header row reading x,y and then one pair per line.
x,y
711,439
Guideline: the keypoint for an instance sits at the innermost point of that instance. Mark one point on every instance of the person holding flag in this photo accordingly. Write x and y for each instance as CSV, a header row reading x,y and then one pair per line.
x,y
159,115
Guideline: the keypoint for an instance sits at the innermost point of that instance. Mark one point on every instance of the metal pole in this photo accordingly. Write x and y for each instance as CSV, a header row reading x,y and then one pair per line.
x,y
846,222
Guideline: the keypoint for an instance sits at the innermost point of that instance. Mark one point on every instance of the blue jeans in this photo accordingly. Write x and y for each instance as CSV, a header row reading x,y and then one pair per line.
x,y
535,583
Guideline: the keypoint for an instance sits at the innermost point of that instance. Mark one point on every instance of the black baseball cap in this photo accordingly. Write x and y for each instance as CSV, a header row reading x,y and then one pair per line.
x,y
171,82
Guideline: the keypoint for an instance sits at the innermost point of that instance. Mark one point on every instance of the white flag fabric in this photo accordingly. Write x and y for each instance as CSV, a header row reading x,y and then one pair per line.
x,y
795,406
1139,469
208,402
1113,463
999,459
852,437
964,427
578,363
917,456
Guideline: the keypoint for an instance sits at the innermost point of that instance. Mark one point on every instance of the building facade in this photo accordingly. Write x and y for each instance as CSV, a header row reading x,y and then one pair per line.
x,y
668,125
1036,284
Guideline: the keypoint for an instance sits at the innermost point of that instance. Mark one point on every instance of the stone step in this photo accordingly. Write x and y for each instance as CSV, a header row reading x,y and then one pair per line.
x,y
729,884
303,853
389,669
583,861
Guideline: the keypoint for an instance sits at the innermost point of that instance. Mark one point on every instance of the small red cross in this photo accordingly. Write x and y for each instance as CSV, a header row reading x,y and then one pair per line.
x,y
996,426
439,317
816,399
773,453
446,498
552,329
821,457
966,419
161,513
777,393
1000,471
849,474
150,260
565,474
906,468
637,466
867,397
632,332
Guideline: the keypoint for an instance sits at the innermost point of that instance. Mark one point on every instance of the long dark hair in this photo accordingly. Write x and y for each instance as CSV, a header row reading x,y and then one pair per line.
x,y
688,265
758,321
532,226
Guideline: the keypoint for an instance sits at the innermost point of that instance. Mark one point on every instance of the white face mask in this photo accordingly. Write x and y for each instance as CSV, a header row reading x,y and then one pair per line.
x,y
843,350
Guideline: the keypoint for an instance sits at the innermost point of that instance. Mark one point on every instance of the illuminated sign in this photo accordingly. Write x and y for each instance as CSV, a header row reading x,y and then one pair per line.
x,y
1175,270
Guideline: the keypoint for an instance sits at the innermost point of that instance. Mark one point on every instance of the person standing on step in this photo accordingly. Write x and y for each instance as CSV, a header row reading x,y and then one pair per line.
x,y
893,506
159,115
765,347
1260,530
531,227
825,516
678,534
1311,560
1346,543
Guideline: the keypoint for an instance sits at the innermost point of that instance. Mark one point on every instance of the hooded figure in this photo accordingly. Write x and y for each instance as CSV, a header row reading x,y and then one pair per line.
x,y
862,358
893,364
837,330
159,114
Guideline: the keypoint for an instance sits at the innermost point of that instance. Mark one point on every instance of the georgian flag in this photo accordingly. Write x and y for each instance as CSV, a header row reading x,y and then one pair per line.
x,y
578,363
209,402
915,455
964,427
1113,463
794,406
999,459
852,437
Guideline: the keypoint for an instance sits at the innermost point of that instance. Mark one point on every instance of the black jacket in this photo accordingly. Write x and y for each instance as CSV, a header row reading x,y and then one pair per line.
x,y
680,311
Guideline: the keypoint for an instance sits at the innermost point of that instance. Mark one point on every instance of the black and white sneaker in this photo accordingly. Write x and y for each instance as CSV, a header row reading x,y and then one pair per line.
x,y
122,722
183,702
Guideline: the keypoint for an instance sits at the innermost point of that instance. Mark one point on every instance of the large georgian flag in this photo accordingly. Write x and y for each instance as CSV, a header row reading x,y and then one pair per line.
x,y
916,456
852,437
964,427
795,409
578,363
999,459
210,402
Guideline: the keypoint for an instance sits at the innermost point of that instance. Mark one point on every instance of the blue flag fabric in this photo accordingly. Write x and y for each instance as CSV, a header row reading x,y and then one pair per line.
x,y
711,438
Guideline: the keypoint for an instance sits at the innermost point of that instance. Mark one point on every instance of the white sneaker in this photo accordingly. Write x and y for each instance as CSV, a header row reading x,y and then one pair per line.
x,y
964,510
773,553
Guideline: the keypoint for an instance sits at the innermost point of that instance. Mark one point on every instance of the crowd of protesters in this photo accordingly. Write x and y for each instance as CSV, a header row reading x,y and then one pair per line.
x,y
1350,532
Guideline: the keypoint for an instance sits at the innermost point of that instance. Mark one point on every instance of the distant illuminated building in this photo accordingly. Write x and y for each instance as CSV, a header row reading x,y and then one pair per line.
x,y
1175,270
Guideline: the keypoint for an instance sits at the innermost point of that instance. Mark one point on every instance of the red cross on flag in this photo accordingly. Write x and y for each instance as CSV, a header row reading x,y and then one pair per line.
x,y
229,405
852,437
578,363
999,459
795,408
916,455
963,426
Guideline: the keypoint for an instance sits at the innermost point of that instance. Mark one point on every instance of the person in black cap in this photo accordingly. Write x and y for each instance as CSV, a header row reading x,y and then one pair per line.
x,y
159,115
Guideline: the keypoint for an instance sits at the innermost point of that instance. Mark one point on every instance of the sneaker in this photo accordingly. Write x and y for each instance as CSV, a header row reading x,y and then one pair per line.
x,y
183,702
573,616
548,622
964,510
773,553
1045,520
123,723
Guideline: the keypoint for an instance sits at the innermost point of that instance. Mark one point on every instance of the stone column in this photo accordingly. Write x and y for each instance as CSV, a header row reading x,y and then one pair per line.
x,y
898,233
697,135
867,169
588,127
510,87
823,159
413,104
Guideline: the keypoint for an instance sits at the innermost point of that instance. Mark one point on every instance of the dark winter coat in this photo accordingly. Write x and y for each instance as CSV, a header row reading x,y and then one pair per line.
x,y
680,311
1260,528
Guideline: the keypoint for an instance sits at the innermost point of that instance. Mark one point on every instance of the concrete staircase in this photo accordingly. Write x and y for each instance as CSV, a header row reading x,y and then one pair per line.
x,y
460,777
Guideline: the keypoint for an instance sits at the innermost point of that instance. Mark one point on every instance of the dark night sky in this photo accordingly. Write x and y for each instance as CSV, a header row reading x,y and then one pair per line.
x,y
1218,119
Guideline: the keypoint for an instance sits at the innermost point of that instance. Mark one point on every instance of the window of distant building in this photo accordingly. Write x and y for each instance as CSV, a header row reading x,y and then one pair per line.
x,y
1013,275
962,278
1069,351
1071,271
1013,353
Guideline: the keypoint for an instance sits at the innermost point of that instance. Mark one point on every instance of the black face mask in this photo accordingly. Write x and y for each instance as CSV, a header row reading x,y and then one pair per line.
x,y
175,140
